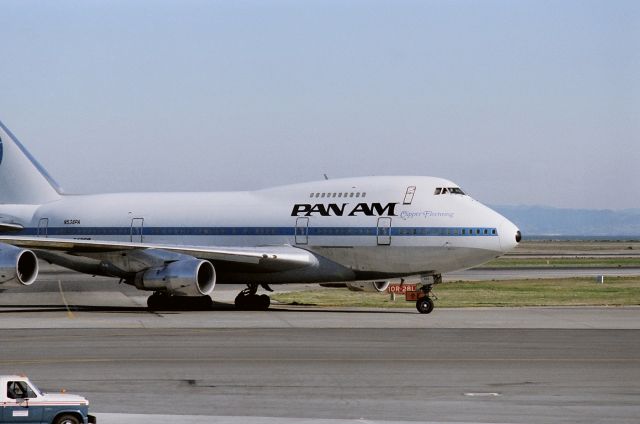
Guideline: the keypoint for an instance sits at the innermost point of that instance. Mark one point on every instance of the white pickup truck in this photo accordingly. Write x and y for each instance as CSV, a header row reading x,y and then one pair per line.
x,y
22,402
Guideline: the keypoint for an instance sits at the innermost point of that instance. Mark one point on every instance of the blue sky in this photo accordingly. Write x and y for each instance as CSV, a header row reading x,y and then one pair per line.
x,y
526,102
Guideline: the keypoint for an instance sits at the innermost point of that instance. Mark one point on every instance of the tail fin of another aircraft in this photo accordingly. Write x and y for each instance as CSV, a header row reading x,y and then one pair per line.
x,y
22,179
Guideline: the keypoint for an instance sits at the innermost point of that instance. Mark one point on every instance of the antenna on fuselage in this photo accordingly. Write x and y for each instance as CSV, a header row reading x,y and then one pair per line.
x,y
325,176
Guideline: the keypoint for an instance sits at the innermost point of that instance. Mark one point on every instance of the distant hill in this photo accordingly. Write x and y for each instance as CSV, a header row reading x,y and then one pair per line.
x,y
543,220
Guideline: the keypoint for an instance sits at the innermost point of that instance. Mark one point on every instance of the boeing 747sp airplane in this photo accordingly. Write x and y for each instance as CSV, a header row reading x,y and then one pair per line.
x,y
358,231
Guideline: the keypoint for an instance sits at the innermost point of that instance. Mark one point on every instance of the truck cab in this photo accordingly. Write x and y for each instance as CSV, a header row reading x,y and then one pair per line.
x,y
22,402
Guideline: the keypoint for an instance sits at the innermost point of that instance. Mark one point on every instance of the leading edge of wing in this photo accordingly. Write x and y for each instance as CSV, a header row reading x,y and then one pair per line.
x,y
283,256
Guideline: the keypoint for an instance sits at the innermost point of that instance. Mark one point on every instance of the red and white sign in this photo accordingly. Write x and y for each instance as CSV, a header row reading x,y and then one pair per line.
x,y
402,288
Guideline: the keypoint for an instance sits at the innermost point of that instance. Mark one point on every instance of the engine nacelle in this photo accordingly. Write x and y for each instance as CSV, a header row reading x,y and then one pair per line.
x,y
18,267
369,286
187,277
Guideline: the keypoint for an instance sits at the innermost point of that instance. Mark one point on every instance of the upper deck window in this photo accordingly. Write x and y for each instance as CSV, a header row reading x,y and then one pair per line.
x,y
446,190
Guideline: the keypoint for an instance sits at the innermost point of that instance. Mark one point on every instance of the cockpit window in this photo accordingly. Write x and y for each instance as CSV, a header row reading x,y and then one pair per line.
x,y
448,190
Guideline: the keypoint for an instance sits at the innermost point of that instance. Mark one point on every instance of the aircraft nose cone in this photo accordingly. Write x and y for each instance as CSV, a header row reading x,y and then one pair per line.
x,y
510,236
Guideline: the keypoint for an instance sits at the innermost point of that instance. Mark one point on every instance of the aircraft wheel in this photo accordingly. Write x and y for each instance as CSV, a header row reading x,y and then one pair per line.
x,y
198,303
156,301
241,301
424,305
263,302
205,302
67,419
252,302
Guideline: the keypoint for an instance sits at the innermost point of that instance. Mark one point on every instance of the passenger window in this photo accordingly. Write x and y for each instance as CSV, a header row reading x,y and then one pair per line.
x,y
317,194
323,194
334,195
350,194
339,194
357,194
364,194
311,195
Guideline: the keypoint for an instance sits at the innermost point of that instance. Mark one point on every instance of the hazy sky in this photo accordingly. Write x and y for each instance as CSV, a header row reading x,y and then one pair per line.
x,y
519,102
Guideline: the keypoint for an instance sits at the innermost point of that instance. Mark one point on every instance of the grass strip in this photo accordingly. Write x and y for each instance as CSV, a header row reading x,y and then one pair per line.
x,y
616,291
581,262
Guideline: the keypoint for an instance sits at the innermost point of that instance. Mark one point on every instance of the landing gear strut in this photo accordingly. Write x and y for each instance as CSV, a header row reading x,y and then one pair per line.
x,y
163,301
247,299
425,304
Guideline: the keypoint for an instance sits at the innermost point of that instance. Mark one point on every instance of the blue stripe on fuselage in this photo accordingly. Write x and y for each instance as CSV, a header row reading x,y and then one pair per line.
x,y
265,231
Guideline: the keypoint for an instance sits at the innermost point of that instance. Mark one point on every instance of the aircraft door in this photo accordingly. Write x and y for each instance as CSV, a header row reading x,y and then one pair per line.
x,y
43,227
137,224
17,408
384,231
302,230
408,196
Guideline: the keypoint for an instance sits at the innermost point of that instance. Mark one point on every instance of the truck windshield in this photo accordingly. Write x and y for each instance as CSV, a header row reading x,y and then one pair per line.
x,y
35,389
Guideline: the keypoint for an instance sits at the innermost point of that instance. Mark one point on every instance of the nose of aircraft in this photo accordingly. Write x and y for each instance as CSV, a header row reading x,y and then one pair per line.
x,y
509,235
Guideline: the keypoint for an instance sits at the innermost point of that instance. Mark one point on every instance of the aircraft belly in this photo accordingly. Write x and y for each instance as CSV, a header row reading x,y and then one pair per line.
x,y
405,260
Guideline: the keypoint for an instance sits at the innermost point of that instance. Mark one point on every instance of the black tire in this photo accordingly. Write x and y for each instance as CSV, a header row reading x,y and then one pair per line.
x,y
241,302
155,302
205,303
264,302
424,305
67,419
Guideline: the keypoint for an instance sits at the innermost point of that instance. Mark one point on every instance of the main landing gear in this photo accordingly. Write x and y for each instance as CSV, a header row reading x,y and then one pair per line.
x,y
425,304
162,301
248,300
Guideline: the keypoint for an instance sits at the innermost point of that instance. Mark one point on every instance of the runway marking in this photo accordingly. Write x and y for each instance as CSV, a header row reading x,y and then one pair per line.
x,y
489,394
301,360
69,313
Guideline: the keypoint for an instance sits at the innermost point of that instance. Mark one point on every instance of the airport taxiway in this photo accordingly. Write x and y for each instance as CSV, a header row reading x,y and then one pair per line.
x,y
542,365
321,366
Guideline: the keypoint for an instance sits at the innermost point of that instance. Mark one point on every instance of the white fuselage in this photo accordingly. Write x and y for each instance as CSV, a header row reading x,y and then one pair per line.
x,y
374,226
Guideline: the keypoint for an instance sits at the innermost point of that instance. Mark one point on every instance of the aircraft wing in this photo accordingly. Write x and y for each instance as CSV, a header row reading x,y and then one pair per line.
x,y
264,258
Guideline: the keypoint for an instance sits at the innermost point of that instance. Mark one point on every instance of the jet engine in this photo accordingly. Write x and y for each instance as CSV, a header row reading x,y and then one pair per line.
x,y
187,277
18,267
369,286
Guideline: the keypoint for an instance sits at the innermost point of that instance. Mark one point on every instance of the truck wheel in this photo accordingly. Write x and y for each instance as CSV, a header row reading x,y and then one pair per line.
x,y
67,419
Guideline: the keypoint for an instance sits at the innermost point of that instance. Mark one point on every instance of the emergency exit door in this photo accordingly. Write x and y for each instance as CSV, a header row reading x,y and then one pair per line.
x,y
43,227
137,224
302,230
384,231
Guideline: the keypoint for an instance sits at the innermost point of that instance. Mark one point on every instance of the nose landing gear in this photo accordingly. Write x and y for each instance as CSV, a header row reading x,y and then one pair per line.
x,y
248,300
425,304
